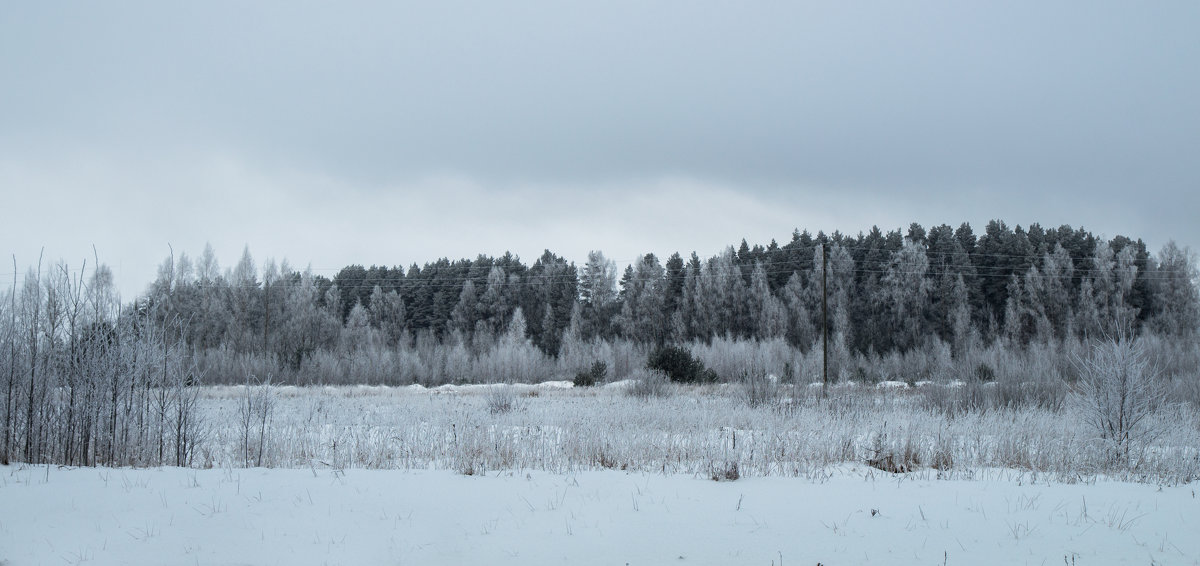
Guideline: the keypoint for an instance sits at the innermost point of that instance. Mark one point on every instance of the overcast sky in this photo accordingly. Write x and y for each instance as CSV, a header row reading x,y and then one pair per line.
x,y
391,133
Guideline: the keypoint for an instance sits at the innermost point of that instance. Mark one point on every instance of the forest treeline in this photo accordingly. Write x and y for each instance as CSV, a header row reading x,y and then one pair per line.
x,y
886,292
92,378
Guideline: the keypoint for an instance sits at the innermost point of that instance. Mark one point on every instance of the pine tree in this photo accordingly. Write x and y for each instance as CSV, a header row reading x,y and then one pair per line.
x,y
550,290
643,301
686,313
673,292
597,294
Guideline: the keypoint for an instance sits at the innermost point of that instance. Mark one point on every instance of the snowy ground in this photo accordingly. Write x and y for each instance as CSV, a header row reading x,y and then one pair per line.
x,y
555,428
850,515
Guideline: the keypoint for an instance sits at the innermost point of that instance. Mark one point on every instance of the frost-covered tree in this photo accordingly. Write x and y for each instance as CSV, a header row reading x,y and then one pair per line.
x,y
1018,317
1105,298
1087,311
964,334
495,304
30,317
684,325
1049,295
244,306
841,288
838,289
1175,284
597,295
389,315
466,311
905,296
1121,303
1120,390
720,302
769,314
801,331
208,269
358,334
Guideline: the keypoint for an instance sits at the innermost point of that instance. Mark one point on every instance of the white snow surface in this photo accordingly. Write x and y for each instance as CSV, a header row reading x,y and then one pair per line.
x,y
846,515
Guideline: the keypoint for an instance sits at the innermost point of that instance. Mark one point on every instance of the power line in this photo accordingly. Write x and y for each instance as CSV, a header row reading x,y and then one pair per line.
x,y
979,271
457,281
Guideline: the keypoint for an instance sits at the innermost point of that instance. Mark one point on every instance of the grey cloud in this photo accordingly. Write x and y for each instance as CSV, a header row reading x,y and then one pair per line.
x,y
1031,111
1067,96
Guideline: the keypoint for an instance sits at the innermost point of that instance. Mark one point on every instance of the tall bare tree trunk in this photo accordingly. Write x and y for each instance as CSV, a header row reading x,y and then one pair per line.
x,y
33,355
12,369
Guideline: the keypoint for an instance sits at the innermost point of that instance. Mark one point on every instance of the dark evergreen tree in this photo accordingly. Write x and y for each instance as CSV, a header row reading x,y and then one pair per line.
x,y
643,298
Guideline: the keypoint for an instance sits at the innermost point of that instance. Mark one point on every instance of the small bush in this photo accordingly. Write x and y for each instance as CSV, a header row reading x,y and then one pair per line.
x,y
1008,393
649,383
789,372
758,389
862,374
985,373
605,459
893,459
1186,390
591,376
727,472
500,399
895,463
679,365
943,455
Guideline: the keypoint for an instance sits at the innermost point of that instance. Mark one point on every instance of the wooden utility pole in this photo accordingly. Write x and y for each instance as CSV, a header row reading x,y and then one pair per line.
x,y
824,318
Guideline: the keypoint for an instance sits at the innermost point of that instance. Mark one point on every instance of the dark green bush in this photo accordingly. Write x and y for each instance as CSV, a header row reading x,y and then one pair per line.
x,y
679,365
985,373
591,376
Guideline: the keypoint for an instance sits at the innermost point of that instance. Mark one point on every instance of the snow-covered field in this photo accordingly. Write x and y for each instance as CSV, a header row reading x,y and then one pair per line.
x,y
848,515
376,475
559,429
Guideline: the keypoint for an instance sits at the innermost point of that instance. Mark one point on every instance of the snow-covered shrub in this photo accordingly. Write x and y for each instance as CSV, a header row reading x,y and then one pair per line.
x,y
254,411
1179,362
942,459
1007,393
726,471
1119,390
893,457
649,383
984,373
729,358
759,389
501,398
